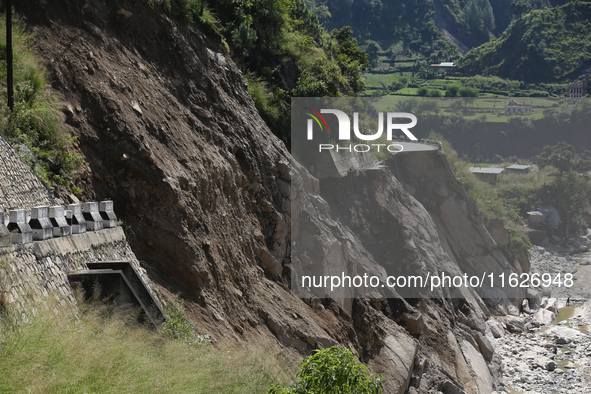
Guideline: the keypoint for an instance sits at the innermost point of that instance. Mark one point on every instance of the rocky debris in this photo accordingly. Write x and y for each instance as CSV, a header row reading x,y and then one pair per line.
x,y
563,260
534,296
448,387
94,29
514,324
136,107
580,244
550,359
414,322
536,237
496,328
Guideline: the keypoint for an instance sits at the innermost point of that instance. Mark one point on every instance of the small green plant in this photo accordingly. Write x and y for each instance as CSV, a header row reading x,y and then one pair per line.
x,y
519,243
332,371
177,326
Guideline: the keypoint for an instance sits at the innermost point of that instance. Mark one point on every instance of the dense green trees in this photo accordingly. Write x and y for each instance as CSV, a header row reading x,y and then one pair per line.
x,y
547,45
522,7
479,16
389,23
282,50
570,189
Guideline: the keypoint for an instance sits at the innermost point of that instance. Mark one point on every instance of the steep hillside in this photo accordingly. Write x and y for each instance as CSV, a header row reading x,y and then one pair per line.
x,y
453,29
543,46
171,134
435,29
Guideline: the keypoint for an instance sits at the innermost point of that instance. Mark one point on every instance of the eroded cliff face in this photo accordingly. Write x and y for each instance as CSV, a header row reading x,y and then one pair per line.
x,y
383,230
170,134
472,246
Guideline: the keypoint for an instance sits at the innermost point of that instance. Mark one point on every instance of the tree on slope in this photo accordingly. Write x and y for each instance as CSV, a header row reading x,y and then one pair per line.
x,y
570,188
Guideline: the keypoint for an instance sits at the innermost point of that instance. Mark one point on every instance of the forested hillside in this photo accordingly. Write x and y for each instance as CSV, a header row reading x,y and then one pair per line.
x,y
551,44
282,50
435,29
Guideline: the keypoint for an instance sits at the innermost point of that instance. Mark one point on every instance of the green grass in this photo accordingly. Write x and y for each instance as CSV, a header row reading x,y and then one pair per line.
x,y
34,122
407,92
100,352
490,109
390,82
376,80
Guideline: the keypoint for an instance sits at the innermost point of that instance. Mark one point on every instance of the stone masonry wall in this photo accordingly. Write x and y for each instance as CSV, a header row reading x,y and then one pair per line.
x,y
30,273
20,188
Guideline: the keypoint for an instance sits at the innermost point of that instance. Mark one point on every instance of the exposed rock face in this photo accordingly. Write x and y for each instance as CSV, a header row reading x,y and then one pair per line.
x,y
170,133
461,230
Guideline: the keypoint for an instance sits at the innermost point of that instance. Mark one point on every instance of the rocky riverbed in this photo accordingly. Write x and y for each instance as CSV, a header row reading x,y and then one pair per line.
x,y
554,358
547,349
559,259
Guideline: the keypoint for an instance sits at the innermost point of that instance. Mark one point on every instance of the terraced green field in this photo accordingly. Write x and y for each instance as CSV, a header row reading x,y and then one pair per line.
x,y
491,109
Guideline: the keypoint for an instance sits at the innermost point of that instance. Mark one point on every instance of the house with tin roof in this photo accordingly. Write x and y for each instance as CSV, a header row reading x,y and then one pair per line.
x,y
487,174
444,66
515,107
518,168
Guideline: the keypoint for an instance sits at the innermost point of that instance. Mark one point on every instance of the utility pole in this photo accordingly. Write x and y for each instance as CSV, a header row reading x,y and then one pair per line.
x,y
9,66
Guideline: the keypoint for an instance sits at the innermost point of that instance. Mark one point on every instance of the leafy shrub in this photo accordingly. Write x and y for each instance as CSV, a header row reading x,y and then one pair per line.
x,y
452,91
519,243
466,91
332,371
319,79
177,326
422,91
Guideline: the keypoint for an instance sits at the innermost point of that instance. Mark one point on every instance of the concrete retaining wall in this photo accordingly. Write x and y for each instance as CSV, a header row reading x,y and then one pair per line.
x,y
29,273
